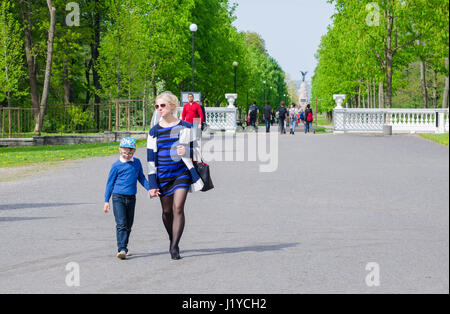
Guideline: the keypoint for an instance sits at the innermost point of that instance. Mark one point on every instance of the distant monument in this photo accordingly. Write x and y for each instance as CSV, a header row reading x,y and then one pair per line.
x,y
303,93
303,75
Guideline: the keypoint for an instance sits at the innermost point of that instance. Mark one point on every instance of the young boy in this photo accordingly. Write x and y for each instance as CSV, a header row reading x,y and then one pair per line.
x,y
122,185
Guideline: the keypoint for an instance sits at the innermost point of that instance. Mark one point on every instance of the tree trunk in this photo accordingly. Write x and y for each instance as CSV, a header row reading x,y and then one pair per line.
x,y
31,61
329,116
434,88
48,68
423,82
155,90
359,96
94,58
87,73
374,93
389,59
445,95
381,95
94,51
118,63
68,89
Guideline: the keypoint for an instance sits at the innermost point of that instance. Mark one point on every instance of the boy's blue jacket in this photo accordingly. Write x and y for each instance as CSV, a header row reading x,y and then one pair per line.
x,y
123,178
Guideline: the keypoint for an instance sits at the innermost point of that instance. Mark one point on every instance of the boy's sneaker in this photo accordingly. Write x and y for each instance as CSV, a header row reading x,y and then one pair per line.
x,y
128,254
122,255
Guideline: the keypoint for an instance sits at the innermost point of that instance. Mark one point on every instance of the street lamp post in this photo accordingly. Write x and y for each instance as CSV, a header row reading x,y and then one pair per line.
x,y
235,64
264,82
193,29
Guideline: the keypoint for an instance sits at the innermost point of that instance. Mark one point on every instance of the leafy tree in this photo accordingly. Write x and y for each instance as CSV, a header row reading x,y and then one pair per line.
x,y
11,54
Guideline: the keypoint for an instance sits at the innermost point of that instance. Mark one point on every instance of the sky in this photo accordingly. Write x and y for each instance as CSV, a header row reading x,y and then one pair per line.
x,y
292,29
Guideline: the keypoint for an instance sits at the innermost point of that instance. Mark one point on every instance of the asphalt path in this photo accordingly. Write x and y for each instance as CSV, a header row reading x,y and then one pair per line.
x,y
334,205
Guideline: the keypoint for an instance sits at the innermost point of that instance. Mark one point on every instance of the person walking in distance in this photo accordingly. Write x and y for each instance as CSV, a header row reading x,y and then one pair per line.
x,y
253,112
191,111
301,116
268,116
282,115
172,149
309,118
203,125
292,118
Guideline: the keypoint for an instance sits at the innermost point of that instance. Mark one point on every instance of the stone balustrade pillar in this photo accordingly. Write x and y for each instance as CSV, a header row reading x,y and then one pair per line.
x,y
339,114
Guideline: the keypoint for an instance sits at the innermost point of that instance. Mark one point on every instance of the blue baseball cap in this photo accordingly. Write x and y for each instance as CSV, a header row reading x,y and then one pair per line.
x,y
128,142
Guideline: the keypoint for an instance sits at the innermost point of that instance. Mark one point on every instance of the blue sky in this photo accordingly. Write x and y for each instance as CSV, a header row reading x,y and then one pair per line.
x,y
291,29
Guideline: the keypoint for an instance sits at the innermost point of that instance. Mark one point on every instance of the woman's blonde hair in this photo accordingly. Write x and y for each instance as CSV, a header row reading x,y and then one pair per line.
x,y
170,98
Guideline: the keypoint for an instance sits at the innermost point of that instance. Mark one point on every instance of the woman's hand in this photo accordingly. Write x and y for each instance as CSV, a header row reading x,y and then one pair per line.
x,y
106,208
181,150
154,192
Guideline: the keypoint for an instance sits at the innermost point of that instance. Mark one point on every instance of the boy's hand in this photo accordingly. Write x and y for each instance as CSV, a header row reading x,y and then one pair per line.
x,y
154,192
106,208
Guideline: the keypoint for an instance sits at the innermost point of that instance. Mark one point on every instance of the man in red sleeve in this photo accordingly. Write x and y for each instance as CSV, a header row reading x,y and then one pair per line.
x,y
192,110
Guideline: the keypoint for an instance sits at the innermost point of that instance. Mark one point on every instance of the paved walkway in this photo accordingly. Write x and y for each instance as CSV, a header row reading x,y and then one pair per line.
x,y
335,204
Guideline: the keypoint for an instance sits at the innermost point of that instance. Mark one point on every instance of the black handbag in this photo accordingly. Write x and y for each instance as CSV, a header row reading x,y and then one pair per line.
x,y
203,171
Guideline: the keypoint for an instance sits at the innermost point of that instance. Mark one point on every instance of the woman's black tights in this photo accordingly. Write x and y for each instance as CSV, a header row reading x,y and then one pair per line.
x,y
173,218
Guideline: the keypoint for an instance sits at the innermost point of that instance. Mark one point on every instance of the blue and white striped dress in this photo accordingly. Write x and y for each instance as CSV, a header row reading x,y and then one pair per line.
x,y
172,172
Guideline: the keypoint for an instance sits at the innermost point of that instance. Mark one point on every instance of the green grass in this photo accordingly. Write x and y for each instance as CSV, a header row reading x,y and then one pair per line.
x,y
322,120
21,156
31,134
320,130
438,138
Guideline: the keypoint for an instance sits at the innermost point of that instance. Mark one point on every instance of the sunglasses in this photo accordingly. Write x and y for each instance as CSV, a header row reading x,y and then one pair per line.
x,y
161,105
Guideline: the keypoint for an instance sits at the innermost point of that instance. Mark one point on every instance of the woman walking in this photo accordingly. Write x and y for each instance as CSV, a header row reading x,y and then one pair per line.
x,y
171,151
293,118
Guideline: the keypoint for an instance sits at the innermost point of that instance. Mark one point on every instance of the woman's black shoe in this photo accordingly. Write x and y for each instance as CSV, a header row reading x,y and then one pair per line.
x,y
175,253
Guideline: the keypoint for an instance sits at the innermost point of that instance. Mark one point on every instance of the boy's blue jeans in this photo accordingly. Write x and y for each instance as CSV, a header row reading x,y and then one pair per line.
x,y
123,206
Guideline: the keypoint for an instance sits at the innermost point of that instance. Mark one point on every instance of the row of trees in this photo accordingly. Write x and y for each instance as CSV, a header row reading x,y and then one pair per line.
x,y
376,49
93,51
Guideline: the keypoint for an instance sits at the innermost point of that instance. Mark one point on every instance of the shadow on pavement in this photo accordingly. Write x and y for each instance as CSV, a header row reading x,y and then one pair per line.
x,y
9,219
37,205
227,250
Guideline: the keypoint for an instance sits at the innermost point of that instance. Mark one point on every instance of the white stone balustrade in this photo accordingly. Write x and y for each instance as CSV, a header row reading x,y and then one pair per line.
x,y
218,118
401,120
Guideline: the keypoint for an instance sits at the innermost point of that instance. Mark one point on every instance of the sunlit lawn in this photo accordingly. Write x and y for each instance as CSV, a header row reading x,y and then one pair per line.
x,y
20,156
438,138
322,120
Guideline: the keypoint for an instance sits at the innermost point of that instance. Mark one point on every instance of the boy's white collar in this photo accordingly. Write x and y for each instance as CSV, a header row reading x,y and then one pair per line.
x,y
122,160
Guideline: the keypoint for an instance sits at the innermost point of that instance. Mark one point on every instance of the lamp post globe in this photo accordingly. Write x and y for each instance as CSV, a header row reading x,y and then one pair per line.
x,y
193,28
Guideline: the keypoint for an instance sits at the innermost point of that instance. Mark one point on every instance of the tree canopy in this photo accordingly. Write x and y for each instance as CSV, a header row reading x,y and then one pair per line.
x,y
131,49
370,45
